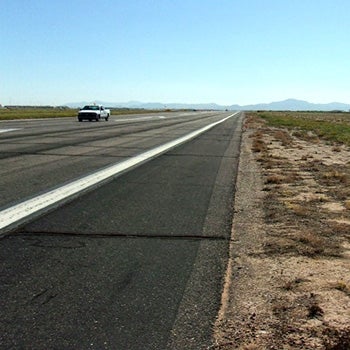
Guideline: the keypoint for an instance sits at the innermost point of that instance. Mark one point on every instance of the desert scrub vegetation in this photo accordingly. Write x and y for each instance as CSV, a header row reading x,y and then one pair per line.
x,y
334,127
294,255
304,159
304,195
290,286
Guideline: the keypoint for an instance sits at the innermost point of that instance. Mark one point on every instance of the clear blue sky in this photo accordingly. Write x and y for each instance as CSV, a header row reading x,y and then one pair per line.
x,y
192,51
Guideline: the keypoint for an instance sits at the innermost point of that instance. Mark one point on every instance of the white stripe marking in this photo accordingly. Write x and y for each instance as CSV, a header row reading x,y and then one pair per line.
x,y
16,214
7,130
140,118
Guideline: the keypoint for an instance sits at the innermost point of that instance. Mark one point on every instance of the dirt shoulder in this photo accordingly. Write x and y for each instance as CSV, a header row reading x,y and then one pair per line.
x,y
288,280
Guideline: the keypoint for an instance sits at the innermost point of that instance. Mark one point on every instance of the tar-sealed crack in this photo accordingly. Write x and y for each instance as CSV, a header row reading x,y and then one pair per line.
x,y
38,243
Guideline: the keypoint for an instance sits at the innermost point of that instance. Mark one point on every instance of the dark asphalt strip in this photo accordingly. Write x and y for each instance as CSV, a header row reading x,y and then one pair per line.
x,y
158,289
118,131
187,236
14,215
88,293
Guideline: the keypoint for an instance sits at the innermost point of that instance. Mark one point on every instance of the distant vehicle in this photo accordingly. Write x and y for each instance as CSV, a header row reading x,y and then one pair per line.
x,y
93,112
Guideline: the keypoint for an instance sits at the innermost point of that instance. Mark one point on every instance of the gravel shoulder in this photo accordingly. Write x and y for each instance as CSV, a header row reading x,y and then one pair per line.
x,y
288,278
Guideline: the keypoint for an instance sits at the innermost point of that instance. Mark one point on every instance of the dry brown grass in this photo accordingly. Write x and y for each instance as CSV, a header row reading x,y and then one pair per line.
x,y
293,284
330,177
337,339
284,137
275,179
298,209
342,286
258,143
347,204
291,299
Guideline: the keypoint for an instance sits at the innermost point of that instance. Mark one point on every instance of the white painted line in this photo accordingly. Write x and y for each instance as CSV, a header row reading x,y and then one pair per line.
x,y
7,130
186,114
140,118
15,215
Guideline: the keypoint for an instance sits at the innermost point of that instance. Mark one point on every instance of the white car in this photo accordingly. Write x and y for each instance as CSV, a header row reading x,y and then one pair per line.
x,y
93,112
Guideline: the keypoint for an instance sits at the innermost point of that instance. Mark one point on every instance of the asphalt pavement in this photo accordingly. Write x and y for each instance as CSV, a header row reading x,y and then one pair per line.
x,y
137,263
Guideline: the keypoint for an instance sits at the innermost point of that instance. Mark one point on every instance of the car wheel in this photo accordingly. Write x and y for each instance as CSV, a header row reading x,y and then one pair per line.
x,y
80,120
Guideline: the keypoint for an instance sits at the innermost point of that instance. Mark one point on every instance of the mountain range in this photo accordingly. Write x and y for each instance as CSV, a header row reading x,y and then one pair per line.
x,y
285,105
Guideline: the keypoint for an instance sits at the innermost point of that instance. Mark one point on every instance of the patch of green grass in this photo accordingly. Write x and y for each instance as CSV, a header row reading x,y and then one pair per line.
x,y
36,113
334,127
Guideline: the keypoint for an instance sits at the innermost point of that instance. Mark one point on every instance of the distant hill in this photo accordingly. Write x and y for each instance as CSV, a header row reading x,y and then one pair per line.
x,y
285,105
296,105
149,105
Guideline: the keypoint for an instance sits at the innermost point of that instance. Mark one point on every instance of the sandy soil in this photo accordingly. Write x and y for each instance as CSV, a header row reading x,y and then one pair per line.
x,y
288,279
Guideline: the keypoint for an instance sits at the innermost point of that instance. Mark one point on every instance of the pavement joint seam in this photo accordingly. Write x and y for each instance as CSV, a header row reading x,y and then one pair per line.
x,y
32,234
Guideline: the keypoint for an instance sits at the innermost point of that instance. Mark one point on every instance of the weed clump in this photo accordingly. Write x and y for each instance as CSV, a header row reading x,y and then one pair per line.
x,y
343,287
337,339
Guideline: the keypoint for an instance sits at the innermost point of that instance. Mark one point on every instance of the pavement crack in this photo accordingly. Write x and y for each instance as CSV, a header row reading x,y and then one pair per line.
x,y
39,294
43,297
32,234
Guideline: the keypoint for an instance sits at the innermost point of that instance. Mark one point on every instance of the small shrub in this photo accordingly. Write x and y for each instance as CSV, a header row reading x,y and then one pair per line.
x,y
298,209
275,179
259,146
343,287
283,137
315,311
292,284
311,239
332,176
337,339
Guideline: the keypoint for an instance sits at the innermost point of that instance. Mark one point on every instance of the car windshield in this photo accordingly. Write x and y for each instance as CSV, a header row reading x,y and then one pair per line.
x,y
91,108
